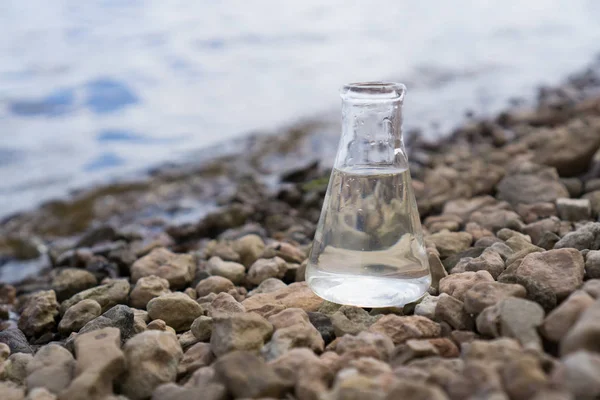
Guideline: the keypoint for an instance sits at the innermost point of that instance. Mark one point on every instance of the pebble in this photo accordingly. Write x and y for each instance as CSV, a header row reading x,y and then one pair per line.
x,y
248,376
294,295
249,247
323,325
401,329
70,281
120,316
451,311
39,313
267,286
352,320
449,243
224,303
594,198
233,271
489,261
537,291
288,366
531,184
213,284
198,356
536,211
586,237
242,331
581,374
11,391
15,367
146,289
107,295
560,270
263,269
584,334
592,287
177,269
100,362
40,394
370,344
78,315
574,209
406,389
287,251
15,340
539,229
464,207
202,328
523,377
52,368
292,330
592,264
494,218
486,294
177,309
151,359
457,285
159,325
426,307
558,322
438,272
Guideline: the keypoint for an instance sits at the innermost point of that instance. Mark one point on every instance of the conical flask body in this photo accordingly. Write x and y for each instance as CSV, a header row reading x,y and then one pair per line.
x,y
368,249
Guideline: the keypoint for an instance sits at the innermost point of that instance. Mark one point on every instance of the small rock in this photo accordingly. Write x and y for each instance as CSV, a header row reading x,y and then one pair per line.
x,y
451,311
323,325
11,391
350,319
70,281
250,248
538,229
78,315
505,234
489,261
594,198
449,243
248,376
289,364
515,318
239,332
4,352
574,209
400,329
177,269
426,307
213,284
494,352
592,264
586,237
537,291
15,340
187,340
263,269
412,350
437,269
146,289
52,368
294,295
120,316
486,294
584,334
582,374
591,287
292,329
561,319
159,325
198,356
369,344
99,362
523,377
560,270
573,185
267,286
224,303
171,391
352,385
151,359
233,271
535,211
464,207
531,184
223,250
108,295
502,249
191,292
16,367
478,232
202,328
38,315
287,251
176,309
494,218
457,285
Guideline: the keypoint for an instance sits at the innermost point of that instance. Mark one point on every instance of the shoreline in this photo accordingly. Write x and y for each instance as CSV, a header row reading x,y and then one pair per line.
x,y
218,303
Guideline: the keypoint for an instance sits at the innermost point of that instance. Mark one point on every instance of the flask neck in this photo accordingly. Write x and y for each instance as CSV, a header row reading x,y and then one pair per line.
x,y
372,126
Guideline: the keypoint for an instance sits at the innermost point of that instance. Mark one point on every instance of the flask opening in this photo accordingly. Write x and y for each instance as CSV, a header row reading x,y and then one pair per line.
x,y
373,92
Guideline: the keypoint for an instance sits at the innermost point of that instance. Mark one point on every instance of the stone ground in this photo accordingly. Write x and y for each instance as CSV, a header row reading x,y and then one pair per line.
x,y
218,308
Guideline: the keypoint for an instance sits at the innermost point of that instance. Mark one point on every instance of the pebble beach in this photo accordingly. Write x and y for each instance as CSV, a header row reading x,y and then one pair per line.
x,y
136,297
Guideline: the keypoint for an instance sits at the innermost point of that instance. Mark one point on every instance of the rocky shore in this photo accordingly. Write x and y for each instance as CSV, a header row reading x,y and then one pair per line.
x,y
131,306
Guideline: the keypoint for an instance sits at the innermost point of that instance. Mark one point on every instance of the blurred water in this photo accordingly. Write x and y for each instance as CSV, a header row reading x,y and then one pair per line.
x,y
91,90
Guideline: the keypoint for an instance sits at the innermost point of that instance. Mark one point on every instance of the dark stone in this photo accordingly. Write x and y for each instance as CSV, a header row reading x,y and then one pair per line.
x,y
548,240
123,257
323,324
16,341
105,233
120,316
536,291
102,268
451,261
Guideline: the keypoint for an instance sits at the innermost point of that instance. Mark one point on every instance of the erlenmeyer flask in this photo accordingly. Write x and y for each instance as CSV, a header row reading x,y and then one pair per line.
x,y
368,249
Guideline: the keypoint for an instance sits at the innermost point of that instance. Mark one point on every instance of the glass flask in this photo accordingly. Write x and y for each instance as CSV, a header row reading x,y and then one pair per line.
x,y
368,249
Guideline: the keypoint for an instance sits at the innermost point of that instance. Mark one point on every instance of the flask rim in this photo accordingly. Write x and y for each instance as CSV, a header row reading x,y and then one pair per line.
x,y
377,91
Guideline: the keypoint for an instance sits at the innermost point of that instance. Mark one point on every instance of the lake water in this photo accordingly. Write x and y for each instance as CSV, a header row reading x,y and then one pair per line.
x,y
95,90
